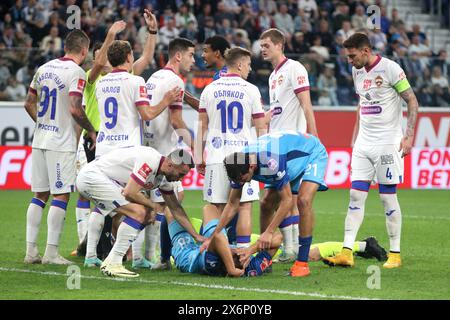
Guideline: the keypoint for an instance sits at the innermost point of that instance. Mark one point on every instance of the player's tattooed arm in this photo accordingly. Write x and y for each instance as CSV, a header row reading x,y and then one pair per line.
x,y
305,102
413,109
180,215
30,105
192,101
77,112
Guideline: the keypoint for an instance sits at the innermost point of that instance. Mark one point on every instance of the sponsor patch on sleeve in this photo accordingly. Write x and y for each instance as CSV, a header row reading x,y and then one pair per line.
x,y
81,84
143,92
144,171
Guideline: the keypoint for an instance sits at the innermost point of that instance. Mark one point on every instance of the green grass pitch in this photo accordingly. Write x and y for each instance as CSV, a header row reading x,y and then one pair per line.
x,y
424,274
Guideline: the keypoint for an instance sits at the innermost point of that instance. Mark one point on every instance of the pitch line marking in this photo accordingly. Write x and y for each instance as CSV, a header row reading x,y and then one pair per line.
x,y
193,284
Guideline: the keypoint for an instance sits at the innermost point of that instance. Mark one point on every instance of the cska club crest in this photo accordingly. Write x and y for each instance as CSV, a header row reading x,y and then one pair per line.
x,y
367,83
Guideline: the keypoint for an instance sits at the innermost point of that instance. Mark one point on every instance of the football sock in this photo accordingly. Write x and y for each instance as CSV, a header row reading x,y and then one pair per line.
x,y
243,241
393,213
137,246
164,239
126,235
55,223
295,232
360,246
82,214
231,229
286,231
95,226
355,213
303,250
34,217
151,238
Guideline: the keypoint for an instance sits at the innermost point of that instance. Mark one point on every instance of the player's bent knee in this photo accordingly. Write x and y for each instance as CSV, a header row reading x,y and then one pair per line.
x,y
304,202
357,195
42,196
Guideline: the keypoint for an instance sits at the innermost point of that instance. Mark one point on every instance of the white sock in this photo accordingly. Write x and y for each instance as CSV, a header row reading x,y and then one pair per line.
x,y
137,246
295,235
355,216
393,220
287,239
151,240
95,226
34,217
55,223
361,246
82,215
126,235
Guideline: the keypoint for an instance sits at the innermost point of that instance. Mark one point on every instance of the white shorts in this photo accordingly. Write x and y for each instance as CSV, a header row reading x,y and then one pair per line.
x,y
216,188
104,192
53,171
81,159
383,164
156,196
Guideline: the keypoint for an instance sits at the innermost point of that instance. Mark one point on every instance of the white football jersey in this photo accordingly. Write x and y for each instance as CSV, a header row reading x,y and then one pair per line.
x,y
119,93
53,83
138,163
380,104
230,103
159,133
289,78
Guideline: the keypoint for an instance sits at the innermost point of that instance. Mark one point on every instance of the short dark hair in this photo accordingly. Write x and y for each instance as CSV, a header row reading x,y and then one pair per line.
x,y
275,35
179,44
218,43
97,45
182,156
234,54
118,52
237,164
357,41
75,41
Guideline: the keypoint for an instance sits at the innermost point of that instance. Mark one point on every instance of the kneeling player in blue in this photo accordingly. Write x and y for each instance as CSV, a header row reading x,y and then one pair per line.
x,y
219,259
287,162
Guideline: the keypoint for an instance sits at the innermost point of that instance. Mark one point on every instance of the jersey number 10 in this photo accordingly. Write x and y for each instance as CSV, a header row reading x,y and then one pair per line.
x,y
226,113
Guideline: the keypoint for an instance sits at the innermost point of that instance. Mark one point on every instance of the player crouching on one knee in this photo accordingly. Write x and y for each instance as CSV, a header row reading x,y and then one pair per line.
x,y
219,259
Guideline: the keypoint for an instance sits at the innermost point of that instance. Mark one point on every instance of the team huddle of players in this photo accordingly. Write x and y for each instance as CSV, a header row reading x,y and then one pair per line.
x,y
135,148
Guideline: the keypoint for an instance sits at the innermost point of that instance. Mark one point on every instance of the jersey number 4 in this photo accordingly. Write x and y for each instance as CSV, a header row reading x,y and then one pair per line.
x,y
45,102
227,113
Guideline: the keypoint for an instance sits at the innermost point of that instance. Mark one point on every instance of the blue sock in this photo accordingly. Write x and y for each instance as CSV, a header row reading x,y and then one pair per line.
x,y
231,229
303,248
164,239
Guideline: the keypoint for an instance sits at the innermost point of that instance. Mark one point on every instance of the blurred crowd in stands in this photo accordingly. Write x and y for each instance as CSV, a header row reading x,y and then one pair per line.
x,y
32,32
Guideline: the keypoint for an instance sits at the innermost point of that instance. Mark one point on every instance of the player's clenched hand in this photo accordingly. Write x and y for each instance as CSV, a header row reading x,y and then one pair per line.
x,y
264,241
172,96
406,145
150,19
205,245
201,168
118,27
199,238
93,136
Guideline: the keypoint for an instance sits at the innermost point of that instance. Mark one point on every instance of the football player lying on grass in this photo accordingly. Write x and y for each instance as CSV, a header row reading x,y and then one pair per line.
x,y
219,259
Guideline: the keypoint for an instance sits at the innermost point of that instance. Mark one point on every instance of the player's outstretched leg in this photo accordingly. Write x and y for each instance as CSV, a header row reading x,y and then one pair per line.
x,y
388,196
353,221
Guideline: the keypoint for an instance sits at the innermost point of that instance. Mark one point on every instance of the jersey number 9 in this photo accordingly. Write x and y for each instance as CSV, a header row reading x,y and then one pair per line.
x,y
111,114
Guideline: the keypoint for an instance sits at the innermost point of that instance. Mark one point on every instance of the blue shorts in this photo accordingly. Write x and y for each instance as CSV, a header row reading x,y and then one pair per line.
x,y
314,172
186,252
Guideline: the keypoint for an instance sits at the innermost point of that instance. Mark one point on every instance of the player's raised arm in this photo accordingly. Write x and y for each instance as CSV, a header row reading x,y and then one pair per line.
x,y
102,58
180,215
413,108
149,48
30,104
230,210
